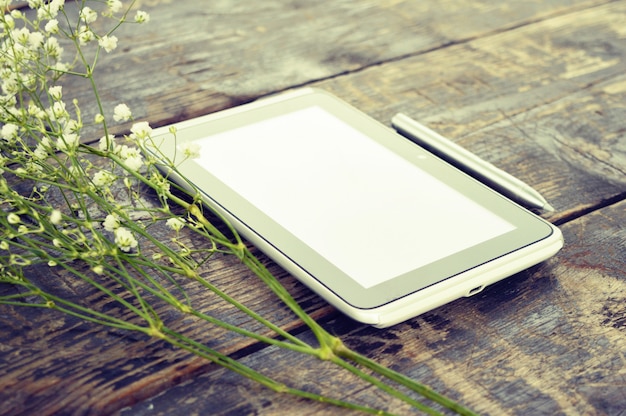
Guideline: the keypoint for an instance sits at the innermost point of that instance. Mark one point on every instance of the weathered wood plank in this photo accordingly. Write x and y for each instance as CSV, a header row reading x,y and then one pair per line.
x,y
233,52
51,362
551,340
545,102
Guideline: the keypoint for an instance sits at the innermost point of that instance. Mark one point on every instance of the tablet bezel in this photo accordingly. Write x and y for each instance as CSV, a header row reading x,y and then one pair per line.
x,y
253,223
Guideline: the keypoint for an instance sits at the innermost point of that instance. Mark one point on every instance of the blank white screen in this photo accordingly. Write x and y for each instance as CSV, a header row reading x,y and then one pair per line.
x,y
371,213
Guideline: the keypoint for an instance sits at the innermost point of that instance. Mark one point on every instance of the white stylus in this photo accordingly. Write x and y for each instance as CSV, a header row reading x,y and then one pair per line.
x,y
469,162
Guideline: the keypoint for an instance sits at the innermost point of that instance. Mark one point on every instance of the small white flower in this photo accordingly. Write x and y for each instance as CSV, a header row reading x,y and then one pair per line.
x,y
55,217
35,39
124,239
128,151
108,43
106,143
190,150
58,110
21,35
36,111
99,269
175,224
56,92
52,26
40,152
13,218
52,48
141,130
98,118
121,112
72,126
134,163
142,17
114,5
9,131
88,15
85,35
111,223
68,142
8,19
54,6
102,178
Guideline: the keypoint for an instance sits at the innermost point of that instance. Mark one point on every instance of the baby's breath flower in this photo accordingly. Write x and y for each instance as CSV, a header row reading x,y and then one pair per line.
x,y
128,151
99,269
68,142
52,26
56,92
121,112
9,131
36,111
108,43
72,126
142,17
132,157
103,178
41,152
124,239
58,110
49,10
175,224
13,218
107,143
52,48
61,67
190,150
55,217
21,35
88,15
9,22
114,6
141,130
85,35
4,245
98,118
35,39
134,163
111,223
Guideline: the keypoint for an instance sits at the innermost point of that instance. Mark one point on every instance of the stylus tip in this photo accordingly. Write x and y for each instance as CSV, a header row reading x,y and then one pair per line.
x,y
548,207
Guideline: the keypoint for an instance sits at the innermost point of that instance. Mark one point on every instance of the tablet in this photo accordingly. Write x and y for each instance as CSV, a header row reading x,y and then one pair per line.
x,y
379,227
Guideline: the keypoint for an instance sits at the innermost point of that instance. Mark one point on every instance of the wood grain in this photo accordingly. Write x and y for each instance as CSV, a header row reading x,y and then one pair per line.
x,y
228,54
545,102
550,340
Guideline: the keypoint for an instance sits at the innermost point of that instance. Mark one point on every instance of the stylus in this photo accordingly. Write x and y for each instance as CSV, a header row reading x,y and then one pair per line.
x,y
469,162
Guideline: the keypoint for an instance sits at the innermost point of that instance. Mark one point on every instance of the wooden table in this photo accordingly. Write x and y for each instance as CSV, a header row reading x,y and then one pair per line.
x,y
536,87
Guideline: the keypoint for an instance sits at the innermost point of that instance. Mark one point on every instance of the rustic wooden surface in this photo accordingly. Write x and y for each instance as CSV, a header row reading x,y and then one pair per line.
x,y
538,88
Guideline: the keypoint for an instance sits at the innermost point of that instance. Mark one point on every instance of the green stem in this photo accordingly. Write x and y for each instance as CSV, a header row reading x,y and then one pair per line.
x,y
425,391
201,350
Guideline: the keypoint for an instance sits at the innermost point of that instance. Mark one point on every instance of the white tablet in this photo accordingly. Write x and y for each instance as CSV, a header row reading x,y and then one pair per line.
x,y
376,225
